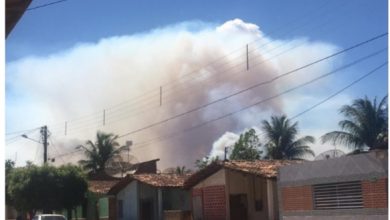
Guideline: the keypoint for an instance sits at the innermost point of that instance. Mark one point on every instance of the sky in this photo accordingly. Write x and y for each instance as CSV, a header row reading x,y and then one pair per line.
x,y
70,63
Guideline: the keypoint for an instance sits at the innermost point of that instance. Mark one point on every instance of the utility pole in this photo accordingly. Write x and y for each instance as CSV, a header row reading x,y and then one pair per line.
x,y
247,57
44,135
226,149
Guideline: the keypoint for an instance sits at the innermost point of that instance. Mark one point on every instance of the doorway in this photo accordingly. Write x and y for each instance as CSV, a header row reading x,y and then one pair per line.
x,y
238,207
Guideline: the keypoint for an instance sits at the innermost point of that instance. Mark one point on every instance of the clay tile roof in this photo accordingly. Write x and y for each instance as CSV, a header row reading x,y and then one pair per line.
x,y
101,186
161,180
152,179
264,168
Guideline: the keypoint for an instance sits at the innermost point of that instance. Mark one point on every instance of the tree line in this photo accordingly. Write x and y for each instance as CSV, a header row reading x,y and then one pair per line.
x,y
365,125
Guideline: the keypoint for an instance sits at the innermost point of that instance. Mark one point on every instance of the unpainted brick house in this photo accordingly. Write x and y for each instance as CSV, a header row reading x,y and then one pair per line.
x,y
349,187
236,190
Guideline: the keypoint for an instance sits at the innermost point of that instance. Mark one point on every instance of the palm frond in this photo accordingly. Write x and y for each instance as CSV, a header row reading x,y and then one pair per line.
x,y
343,138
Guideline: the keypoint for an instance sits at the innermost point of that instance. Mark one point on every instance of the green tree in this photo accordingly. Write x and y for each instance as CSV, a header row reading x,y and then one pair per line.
x,y
46,188
99,152
247,147
9,166
281,139
73,187
202,163
365,125
33,188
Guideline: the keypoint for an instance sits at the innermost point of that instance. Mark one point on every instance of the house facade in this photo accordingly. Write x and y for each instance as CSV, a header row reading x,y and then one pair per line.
x,y
349,187
99,204
151,197
236,190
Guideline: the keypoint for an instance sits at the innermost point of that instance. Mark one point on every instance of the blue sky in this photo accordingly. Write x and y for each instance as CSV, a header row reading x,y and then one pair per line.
x,y
54,31
71,22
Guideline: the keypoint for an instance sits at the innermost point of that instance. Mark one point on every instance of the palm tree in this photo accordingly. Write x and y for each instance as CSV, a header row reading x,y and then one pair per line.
x,y
98,153
281,139
365,125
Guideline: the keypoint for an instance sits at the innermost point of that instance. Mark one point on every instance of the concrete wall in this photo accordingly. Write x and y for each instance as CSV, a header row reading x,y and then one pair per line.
x,y
10,212
347,168
295,183
177,215
129,196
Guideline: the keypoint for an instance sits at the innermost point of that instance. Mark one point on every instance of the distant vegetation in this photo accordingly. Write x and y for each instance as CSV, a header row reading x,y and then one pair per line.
x,y
365,125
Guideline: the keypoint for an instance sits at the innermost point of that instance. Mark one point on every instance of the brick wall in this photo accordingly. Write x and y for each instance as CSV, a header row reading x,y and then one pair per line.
x,y
298,198
214,201
196,192
375,193
112,208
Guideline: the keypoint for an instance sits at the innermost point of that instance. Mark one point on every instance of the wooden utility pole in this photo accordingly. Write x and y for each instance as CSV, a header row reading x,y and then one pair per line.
x,y
44,135
225,155
104,117
247,57
160,95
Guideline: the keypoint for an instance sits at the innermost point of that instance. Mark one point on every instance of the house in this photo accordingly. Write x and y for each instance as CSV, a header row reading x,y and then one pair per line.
x,y
151,196
349,187
236,190
100,205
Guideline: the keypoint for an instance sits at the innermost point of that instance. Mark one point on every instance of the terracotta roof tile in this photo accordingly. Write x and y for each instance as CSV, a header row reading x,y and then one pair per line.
x,y
161,180
264,168
101,186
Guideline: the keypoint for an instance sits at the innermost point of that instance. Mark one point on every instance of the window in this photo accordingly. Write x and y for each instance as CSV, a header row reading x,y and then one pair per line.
x,y
343,195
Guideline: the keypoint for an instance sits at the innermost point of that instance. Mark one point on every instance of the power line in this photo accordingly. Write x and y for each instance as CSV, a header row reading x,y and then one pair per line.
x,y
282,27
340,91
141,145
66,154
19,136
45,5
55,148
22,131
119,116
256,85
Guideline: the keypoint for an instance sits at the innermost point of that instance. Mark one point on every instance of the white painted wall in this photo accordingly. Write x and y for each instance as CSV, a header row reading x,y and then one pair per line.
x,y
130,202
253,187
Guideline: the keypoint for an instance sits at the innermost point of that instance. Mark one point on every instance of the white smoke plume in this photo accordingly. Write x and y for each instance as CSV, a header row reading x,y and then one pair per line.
x,y
76,85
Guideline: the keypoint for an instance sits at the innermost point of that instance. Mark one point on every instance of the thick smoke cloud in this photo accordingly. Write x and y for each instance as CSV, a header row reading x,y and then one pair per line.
x,y
82,84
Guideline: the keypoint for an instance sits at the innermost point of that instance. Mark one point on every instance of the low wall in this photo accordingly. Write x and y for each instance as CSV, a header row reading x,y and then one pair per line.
x,y
177,215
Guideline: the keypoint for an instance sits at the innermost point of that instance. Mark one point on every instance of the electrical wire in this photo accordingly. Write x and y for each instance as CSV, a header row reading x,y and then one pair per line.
x,y
45,5
256,85
252,105
340,91
281,27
